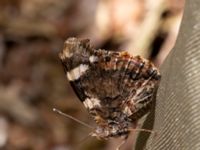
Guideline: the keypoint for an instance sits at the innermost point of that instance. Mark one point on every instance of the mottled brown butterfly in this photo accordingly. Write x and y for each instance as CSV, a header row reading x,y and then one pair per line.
x,y
115,87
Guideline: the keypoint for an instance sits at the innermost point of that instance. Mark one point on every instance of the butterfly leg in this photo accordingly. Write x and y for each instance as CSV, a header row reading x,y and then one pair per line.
x,y
122,143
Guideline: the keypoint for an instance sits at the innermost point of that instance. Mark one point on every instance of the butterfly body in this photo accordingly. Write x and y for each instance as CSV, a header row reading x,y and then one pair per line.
x,y
115,87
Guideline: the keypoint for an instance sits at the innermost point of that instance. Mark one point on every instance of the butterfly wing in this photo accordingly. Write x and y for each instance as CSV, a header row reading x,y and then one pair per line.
x,y
112,85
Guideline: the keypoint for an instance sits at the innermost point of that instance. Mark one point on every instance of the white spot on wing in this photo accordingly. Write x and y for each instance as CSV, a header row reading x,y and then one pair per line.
x,y
67,54
127,111
91,102
75,73
93,59
115,67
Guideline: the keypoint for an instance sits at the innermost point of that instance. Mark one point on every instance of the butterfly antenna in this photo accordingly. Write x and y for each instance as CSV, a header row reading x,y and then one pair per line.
x,y
122,143
72,118
84,139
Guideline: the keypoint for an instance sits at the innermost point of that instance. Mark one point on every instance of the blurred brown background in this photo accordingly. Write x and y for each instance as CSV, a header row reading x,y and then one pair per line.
x,y
32,81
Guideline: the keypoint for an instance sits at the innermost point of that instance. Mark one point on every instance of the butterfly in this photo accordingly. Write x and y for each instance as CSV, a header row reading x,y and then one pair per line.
x,y
115,87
